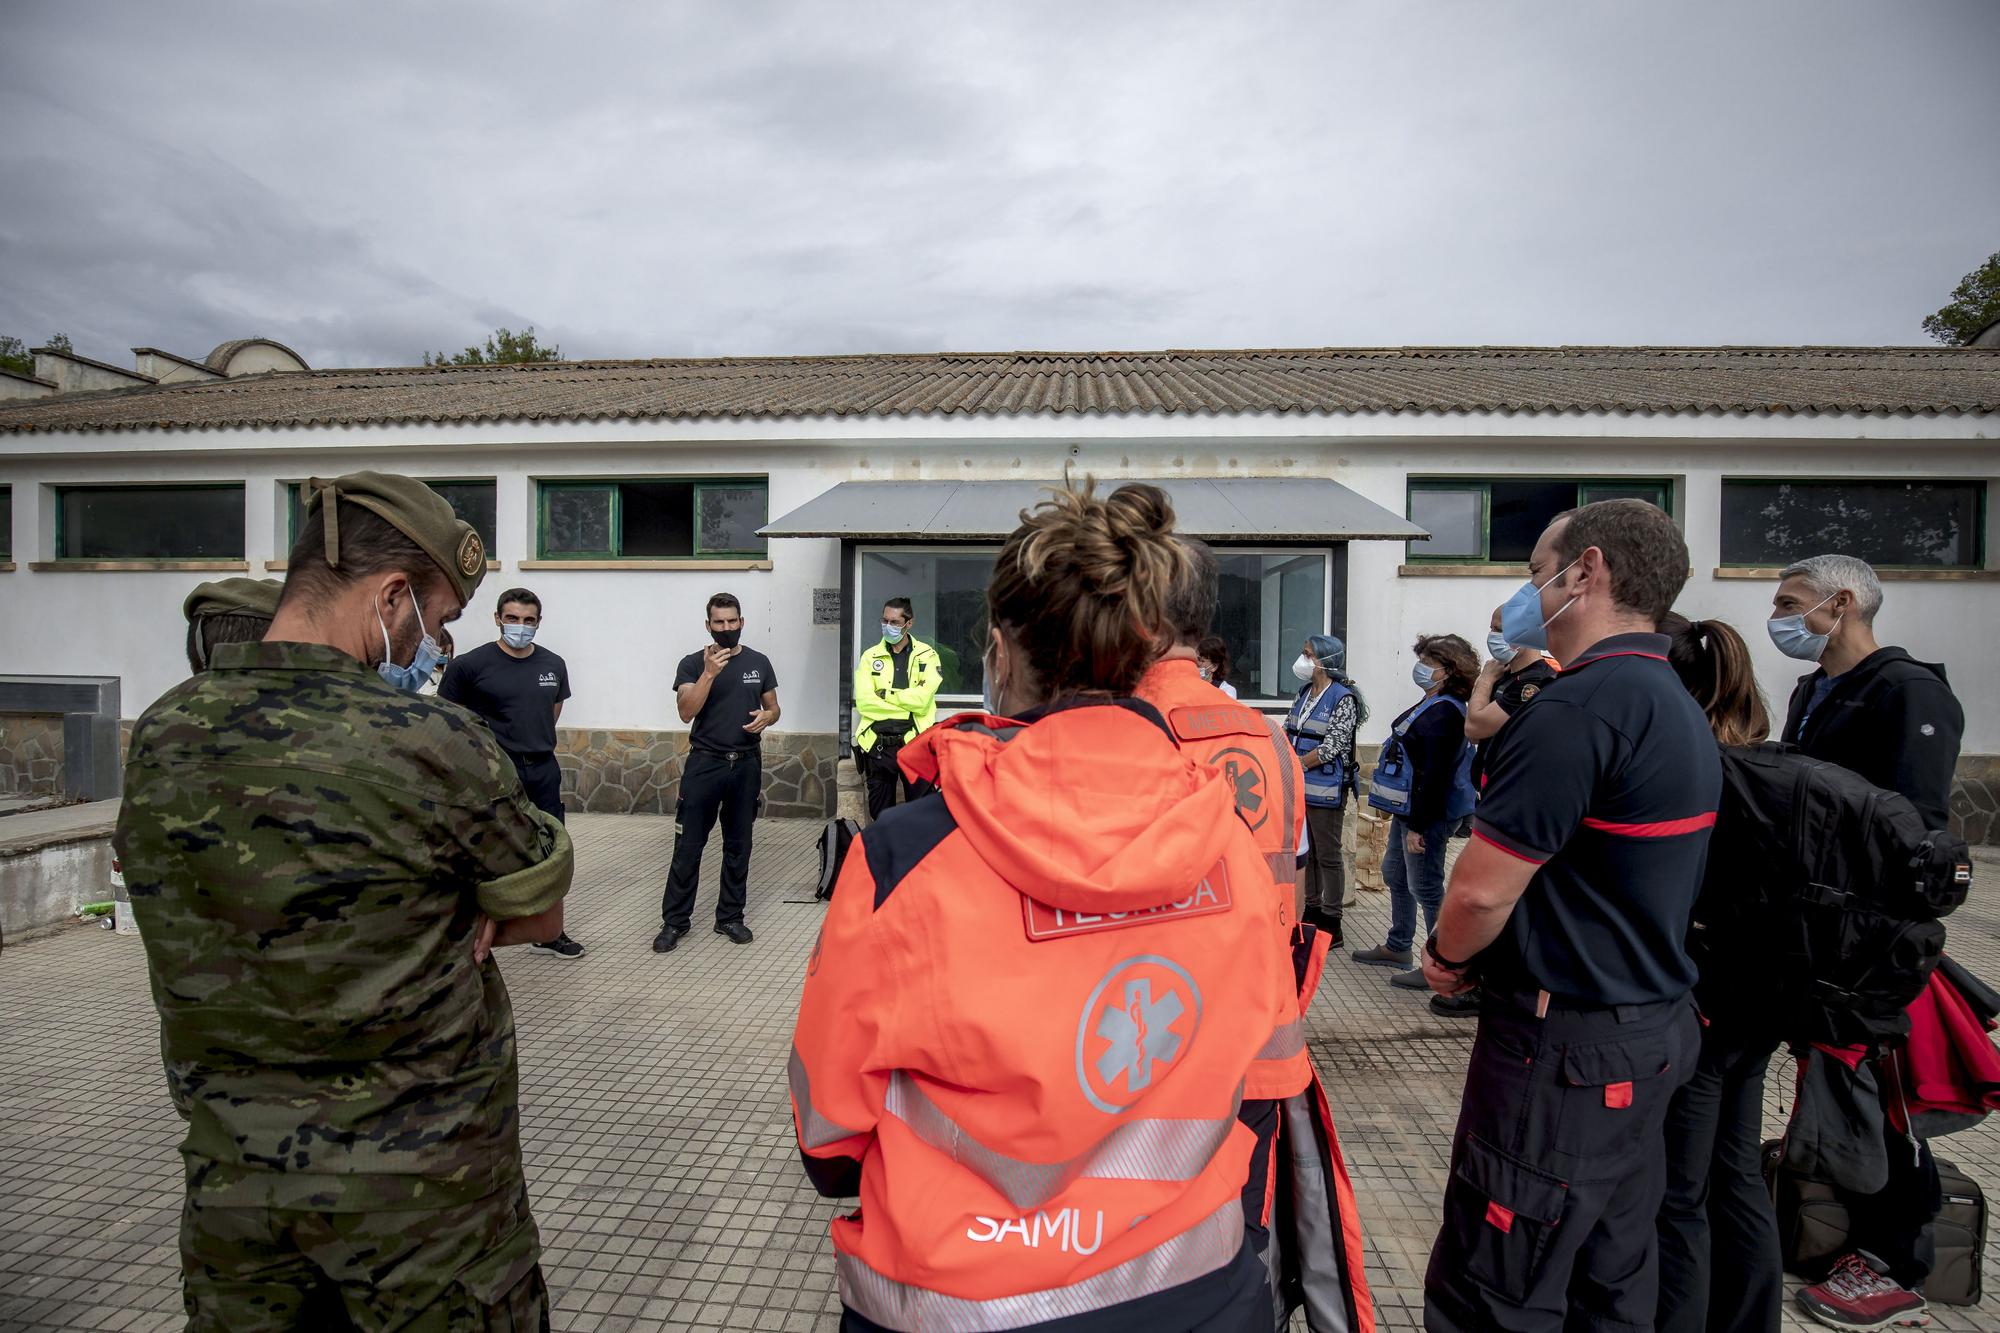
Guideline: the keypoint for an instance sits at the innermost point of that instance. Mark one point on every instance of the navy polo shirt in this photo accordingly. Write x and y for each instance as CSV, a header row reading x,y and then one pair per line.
x,y
1609,785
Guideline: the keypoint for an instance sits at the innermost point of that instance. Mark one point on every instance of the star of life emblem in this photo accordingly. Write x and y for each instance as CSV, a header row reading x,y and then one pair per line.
x,y
1135,1029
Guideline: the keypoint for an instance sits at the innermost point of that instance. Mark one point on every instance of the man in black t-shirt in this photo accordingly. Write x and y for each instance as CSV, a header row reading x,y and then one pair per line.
x,y
518,688
729,696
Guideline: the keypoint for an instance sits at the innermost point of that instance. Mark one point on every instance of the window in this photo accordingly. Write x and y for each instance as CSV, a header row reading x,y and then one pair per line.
x,y
475,502
149,522
1268,603
6,524
1499,521
652,519
1893,524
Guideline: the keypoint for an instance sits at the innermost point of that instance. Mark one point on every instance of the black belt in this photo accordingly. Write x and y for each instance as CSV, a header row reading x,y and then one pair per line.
x,y
731,755
1529,1003
522,757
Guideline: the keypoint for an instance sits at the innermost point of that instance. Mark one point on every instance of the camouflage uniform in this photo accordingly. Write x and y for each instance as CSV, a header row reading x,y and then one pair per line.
x,y
308,851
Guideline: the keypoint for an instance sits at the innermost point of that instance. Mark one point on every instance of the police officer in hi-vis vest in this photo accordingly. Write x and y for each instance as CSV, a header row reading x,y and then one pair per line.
x,y
1322,723
895,690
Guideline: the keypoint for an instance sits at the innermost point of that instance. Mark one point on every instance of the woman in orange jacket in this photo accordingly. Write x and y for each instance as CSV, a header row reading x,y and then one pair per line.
x,y
1037,992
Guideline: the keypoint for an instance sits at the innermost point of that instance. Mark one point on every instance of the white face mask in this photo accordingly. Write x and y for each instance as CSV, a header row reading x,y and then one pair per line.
x,y
1303,669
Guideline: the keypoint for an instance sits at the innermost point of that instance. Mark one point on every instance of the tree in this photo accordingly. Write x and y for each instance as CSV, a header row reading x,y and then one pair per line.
x,y
15,356
1975,303
503,347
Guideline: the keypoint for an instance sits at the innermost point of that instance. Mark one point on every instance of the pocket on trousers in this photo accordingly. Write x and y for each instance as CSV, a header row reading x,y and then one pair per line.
x,y
1610,1089
503,1290
1505,1218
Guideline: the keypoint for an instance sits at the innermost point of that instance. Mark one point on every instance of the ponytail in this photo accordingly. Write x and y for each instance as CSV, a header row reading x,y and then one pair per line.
x,y
1713,664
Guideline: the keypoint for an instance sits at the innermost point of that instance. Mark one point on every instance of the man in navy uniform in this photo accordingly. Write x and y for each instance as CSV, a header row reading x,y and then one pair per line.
x,y
728,694
1573,898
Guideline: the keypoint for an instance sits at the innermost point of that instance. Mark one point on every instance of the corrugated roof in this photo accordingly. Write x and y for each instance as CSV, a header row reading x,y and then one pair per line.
x,y
1334,380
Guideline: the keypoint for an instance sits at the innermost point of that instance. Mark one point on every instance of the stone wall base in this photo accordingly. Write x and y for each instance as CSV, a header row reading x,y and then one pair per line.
x,y
639,772
31,754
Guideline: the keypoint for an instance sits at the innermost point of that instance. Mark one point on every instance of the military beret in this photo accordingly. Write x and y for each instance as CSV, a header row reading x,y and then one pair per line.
x,y
417,511
234,597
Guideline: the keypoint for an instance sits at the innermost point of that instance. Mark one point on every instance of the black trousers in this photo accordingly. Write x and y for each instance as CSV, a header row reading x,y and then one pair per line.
x,y
1557,1169
1895,1224
1720,1264
1326,872
713,783
541,779
878,766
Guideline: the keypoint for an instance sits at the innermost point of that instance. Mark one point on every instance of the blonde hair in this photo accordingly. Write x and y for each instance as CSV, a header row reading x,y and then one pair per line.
x,y
1085,585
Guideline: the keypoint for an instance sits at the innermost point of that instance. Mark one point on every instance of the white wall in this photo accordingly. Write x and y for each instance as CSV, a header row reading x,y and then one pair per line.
x,y
623,631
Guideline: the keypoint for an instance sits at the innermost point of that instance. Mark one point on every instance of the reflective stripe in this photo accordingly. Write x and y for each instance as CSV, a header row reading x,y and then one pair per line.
x,y
1145,1150
1289,794
1283,865
1287,1040
1196,1252
815,1130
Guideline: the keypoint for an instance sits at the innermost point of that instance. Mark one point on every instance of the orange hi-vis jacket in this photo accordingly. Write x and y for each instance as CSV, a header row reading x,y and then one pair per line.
x,y
1027,1024
1268,786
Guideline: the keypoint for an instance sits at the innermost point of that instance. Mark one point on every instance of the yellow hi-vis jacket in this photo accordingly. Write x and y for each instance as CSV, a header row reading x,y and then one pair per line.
x,y
877,699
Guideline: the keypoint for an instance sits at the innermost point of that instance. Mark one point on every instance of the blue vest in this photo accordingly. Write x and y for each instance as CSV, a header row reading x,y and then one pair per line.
x,y
1326,784
1390,785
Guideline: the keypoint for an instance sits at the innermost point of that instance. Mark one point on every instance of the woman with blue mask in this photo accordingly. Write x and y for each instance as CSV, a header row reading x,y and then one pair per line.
x,y
1426,771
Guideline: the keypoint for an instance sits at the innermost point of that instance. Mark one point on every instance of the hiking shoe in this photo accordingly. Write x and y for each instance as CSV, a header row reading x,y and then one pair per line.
x,y
1857,1294
668,937
1384,957
1456,1006
562,946
737,932
1410,980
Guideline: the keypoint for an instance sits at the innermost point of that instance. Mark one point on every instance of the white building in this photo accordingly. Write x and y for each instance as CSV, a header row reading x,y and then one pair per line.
x,y
624,493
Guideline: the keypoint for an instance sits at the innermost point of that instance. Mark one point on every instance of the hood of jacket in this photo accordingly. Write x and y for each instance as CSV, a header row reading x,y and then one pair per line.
x,y
1892,662
1090,808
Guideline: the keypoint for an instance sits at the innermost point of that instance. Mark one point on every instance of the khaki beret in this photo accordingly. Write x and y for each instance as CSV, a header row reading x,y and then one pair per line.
x,y
234,597
417,511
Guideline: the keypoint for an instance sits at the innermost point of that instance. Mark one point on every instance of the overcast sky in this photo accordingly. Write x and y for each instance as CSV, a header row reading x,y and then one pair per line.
x,y
366,181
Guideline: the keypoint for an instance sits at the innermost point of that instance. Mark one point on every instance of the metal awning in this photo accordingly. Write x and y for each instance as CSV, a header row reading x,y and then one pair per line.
x,y
1215,509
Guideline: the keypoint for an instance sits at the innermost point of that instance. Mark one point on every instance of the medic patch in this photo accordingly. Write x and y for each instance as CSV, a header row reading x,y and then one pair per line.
x,y
1247,783
1208,897
1204,722
1135,1030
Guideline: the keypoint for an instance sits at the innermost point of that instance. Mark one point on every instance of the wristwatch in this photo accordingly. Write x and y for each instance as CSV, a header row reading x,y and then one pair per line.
x,y
1431,948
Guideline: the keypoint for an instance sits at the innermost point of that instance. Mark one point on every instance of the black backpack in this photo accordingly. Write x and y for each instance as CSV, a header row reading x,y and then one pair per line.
x,y
1822,899
834,840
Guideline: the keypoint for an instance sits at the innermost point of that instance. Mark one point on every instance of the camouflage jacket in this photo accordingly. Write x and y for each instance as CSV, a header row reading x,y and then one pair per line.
x,y
308,851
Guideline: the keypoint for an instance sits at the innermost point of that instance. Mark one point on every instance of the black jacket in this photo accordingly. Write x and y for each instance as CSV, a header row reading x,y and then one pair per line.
x,y
1893,720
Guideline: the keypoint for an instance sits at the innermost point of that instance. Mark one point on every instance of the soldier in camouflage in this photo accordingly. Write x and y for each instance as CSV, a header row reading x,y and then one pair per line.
x,y
228,611
321,862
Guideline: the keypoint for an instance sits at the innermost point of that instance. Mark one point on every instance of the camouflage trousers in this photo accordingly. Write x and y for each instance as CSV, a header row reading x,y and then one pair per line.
x,y
267,1270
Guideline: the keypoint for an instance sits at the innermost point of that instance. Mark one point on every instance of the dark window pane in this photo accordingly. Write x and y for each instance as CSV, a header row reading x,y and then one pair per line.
x,y
730,517
152,523
474,502
948,592
577,520
1520,512
1266,608
657,519
1453,520
1925,524
1652,492
6,523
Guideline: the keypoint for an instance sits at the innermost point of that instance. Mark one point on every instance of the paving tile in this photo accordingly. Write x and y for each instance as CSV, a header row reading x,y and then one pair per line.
x,y
655,1120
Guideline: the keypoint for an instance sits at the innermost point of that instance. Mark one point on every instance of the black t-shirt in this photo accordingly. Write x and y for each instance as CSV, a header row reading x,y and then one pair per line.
x,y
516,695
1513,692
1609,784
732,697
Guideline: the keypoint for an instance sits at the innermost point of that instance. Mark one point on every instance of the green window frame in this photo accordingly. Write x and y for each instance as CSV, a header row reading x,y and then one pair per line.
x,y
63,533
1833,536
618,542
488,532
1480,490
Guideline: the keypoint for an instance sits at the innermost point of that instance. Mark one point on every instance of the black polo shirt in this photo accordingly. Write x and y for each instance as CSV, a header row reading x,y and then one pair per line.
x,y
1609,784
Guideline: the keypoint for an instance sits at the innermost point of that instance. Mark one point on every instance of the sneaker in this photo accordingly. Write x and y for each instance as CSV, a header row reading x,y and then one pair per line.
x,y
668,937
1384,957
562,946
1857,1294
1456,1006
1410,980
737,932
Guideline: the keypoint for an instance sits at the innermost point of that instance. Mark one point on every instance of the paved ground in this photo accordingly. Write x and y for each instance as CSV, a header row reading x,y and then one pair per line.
x,y
657,1134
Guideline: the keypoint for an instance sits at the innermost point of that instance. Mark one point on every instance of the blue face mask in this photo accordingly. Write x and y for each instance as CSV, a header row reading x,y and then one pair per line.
x,y
518,636
1499,649
1521,622
417,674
1793,639
1424,676
891,634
